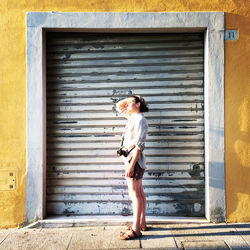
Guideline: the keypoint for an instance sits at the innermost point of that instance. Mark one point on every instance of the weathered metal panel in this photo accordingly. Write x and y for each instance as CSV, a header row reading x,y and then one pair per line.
x,y
86,75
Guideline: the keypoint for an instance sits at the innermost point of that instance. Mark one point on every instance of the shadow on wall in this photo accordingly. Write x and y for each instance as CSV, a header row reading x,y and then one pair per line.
x,y
237,124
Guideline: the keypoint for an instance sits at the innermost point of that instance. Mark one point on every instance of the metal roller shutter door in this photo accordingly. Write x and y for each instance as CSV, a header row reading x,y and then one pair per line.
x,y
86,75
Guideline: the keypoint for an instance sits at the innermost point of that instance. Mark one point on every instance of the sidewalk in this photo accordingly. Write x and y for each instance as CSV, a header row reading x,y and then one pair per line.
x,y
162,236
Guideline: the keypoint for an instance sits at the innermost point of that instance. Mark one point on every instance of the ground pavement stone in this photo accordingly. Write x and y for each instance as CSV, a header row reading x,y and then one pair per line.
x,y
244,231
101,238
30,239
3,234
159,236
207,232
218,244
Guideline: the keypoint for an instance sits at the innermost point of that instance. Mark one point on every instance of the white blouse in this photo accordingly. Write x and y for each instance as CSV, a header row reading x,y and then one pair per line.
x,y
135,135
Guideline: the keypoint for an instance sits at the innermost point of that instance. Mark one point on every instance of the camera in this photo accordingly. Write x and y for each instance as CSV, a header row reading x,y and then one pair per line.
x,y
123,151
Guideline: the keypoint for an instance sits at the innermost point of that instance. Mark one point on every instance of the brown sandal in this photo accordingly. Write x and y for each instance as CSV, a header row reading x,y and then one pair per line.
x,y
145,228
129,227
130,235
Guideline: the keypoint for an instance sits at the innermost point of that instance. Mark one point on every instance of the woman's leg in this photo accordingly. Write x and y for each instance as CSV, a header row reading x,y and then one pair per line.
x,y
143,212
135,194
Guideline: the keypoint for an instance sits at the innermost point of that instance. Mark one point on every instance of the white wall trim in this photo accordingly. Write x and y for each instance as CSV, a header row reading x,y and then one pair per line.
x,y
212,23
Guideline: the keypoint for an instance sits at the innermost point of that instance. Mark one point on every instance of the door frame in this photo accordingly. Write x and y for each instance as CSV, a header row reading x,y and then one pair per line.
x,y
211,23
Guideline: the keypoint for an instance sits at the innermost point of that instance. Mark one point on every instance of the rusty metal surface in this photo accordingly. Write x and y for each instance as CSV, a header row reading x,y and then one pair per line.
x,y
86,75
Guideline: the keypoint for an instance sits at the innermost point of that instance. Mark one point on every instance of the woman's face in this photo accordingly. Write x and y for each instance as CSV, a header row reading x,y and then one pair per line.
x,y
132,106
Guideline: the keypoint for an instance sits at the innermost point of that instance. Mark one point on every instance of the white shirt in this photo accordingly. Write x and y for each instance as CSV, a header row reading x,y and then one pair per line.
x,y
135,135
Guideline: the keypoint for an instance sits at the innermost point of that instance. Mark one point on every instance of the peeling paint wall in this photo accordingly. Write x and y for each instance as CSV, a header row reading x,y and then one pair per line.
x,y
13,93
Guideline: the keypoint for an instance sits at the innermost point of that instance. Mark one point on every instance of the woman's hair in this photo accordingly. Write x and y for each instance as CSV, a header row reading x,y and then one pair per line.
x,y
143,106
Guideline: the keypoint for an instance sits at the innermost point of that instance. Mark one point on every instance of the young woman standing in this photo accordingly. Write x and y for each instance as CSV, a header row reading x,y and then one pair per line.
x,y
135,163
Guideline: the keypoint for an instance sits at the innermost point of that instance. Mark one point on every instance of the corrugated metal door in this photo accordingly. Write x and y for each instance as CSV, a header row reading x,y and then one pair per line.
x,y
86,75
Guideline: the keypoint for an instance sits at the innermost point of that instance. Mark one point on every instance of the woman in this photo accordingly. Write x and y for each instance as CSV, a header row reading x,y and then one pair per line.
x,y
135,163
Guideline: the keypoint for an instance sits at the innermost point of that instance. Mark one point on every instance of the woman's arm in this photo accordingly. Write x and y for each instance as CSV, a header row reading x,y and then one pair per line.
x,y
121,106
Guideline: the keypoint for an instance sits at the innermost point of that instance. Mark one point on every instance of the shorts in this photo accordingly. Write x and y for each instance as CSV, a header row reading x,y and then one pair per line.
x,y
138,172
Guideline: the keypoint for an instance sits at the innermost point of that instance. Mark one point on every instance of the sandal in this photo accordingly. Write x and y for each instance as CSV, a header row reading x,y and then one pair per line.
x,y
129,227
145,228
130,235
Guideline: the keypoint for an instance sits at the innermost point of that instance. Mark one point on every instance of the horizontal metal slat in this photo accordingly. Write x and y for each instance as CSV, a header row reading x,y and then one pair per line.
x,y
119,190
71,86
110,130
135,46
152,174
163,208
115,38
103,182
151,169
127,54
181,75
69,117
69,146
117,138
110,152
157,42
122,70
114,159
124,62
160,137
122,122
123,197
113,93
107,108
107,100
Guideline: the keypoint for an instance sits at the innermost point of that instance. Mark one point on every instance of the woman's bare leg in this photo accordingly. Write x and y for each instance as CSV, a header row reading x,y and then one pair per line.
x,y
135,194
143,212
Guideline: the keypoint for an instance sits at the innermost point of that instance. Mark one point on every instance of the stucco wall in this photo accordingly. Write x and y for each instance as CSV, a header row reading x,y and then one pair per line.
x,y
13,92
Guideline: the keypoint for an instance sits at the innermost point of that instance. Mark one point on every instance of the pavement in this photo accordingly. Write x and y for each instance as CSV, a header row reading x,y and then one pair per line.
x,y
161,236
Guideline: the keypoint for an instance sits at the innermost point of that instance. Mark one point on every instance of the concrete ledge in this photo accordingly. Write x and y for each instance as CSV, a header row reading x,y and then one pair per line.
x,y
124,20
78,221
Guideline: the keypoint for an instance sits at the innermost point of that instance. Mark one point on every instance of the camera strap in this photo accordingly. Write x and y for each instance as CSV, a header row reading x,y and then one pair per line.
x,y
122,140
131,149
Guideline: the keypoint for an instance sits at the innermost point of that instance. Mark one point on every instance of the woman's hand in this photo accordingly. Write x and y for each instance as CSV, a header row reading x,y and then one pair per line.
x,y
130,170
122,105
132,162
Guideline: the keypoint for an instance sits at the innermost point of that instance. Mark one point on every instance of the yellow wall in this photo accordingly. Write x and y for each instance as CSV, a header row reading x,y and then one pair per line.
x,y
13,92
